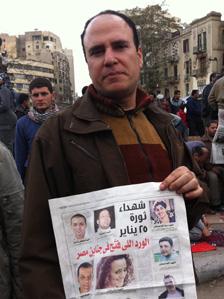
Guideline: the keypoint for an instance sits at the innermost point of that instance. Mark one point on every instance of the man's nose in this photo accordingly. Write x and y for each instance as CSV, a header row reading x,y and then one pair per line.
x,y
110,58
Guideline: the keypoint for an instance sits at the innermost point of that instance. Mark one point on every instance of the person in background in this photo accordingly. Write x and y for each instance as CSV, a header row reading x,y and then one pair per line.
x,y
11,211
41,92
215,186
7,115
194,114
162,102
175,102
216,96
207,112
200,231
23,105
215,171
112,136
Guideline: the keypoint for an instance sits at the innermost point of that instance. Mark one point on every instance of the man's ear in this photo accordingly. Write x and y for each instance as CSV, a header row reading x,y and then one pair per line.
x,y
53,96
140,57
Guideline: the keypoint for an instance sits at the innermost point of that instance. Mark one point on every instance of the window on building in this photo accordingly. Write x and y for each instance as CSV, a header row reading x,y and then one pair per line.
x,y
175,71
37,46
203,66
222,40
199,42
187,67
36,37
186,46
46,38
19,85
187,89
165,73
204,41
51,39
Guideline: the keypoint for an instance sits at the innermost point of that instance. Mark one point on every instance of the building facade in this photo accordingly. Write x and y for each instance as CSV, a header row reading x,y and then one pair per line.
x,y
38,54
192,54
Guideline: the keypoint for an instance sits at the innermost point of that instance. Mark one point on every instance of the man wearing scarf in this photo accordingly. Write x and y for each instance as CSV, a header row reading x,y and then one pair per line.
x,y
114,135
41,92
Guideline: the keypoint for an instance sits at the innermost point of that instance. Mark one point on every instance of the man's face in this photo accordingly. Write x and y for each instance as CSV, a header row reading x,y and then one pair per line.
x,y
165,248
79,227
85,279
41,98
212,129
113,61
104,219
196,95
169,284
177,96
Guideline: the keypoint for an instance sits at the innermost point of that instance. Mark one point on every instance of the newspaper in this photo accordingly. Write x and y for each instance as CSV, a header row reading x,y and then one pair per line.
x,y
217,153
128,242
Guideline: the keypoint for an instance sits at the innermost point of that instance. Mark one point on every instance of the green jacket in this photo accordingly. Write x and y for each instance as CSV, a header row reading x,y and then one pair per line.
x,y
11,209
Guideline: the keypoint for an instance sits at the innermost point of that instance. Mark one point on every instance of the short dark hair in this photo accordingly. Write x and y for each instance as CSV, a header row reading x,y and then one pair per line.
x,y
160,203
176,91
194,91
40,82
212,76
78,215
128,20
166,239
198,150
22,98
211,121
84,265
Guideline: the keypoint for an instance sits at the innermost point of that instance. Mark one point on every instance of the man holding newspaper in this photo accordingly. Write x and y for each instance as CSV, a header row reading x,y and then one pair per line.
x,y
114,135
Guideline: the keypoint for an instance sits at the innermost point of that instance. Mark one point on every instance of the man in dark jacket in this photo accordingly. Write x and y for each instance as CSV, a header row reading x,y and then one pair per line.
x,y
113,136
23,105
7,115
194,114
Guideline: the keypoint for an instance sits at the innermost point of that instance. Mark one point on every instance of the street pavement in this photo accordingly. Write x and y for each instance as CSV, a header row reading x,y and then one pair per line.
x,y
211,290
209,266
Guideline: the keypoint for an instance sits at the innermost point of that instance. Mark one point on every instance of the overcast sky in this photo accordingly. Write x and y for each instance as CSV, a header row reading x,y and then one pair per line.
x,y
66,18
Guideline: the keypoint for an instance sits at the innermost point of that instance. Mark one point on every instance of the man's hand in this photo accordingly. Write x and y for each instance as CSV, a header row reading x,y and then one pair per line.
x,y
183,181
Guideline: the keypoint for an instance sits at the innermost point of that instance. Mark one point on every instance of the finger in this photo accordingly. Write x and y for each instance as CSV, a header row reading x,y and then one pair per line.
x,y
194,194
177,178
185,186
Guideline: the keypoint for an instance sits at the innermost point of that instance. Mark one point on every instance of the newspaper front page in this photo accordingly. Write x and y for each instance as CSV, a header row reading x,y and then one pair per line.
x,y
128,242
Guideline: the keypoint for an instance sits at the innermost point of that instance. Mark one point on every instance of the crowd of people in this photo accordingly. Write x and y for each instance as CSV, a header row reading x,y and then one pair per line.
x,y
92,145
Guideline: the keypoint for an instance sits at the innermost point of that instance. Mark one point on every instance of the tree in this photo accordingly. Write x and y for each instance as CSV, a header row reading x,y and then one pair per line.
x,y
155,28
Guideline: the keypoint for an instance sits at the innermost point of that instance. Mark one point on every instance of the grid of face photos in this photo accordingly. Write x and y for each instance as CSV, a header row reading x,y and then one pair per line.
x,y
126,247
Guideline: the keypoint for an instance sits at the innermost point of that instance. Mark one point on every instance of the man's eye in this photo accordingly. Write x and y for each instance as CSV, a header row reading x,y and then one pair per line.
x,y
120,46
96,52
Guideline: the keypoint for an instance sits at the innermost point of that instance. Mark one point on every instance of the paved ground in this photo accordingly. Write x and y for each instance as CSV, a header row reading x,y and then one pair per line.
x,y
211,290
210,266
